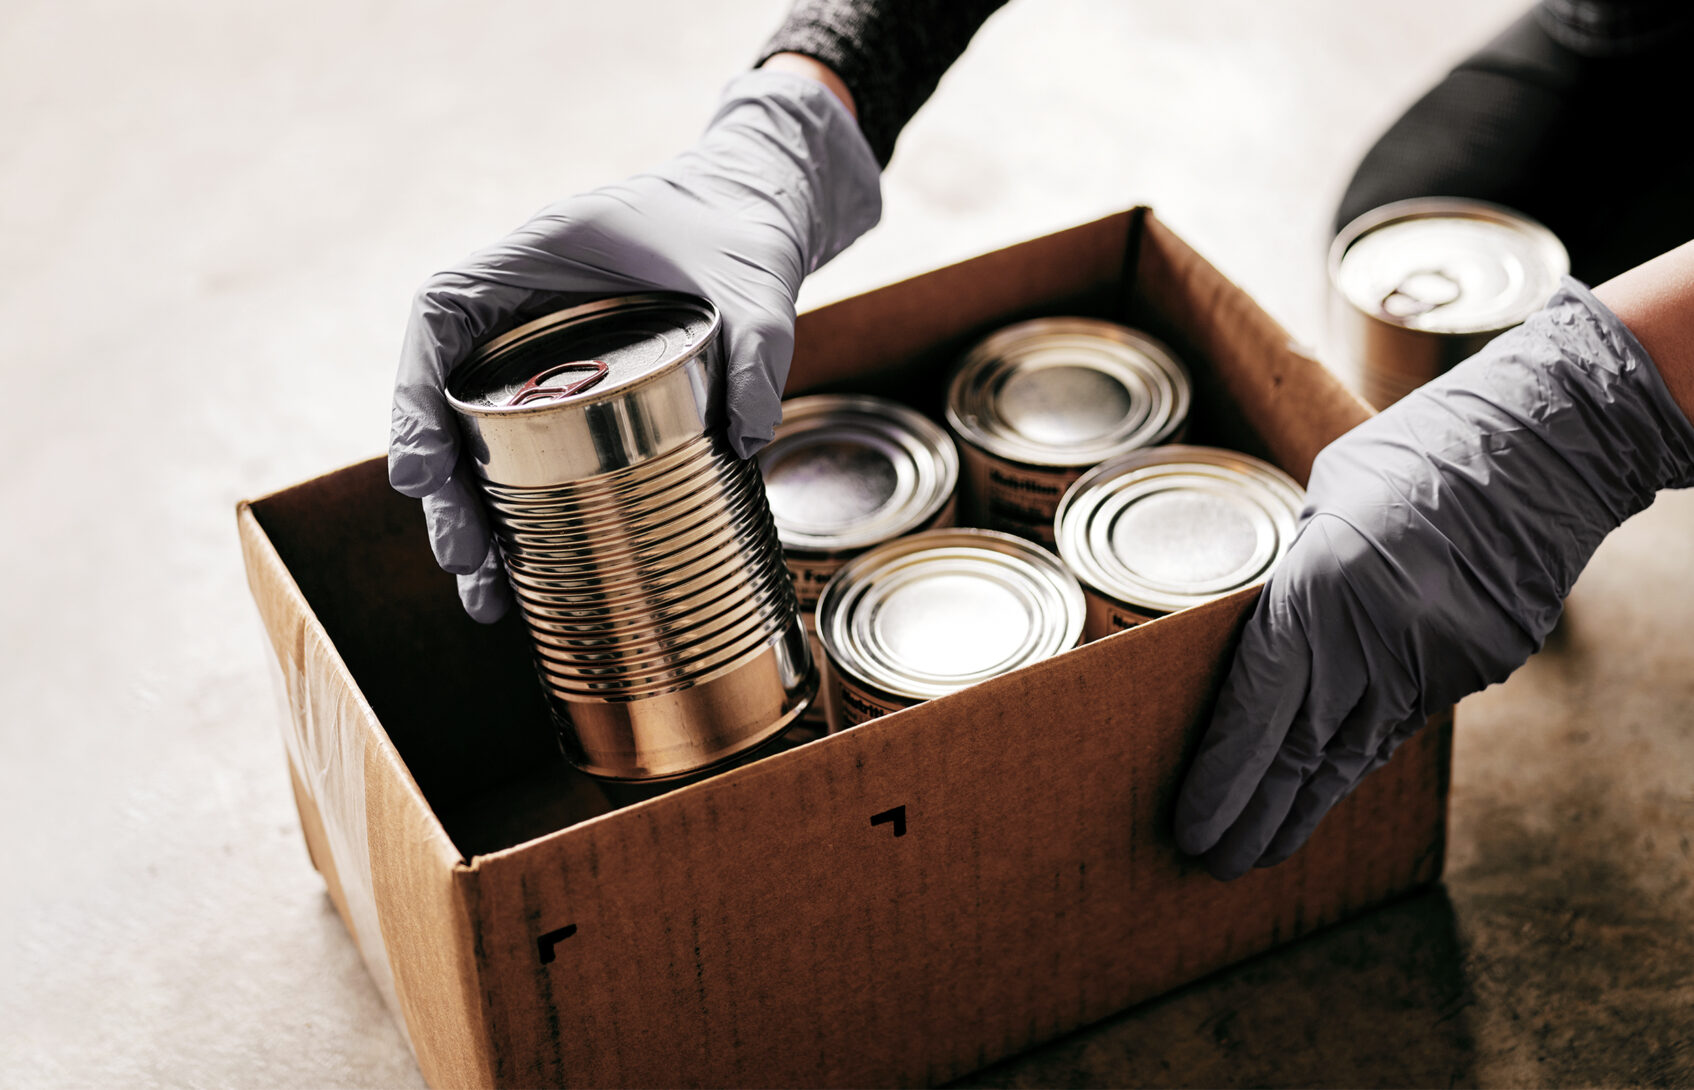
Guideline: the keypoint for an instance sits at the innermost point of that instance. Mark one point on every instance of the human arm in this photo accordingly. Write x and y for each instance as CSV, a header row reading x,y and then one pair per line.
x,y
1440,540
1656,301
890,54
782,180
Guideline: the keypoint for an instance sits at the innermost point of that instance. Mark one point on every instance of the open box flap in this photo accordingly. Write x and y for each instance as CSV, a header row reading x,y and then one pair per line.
x,y
390,868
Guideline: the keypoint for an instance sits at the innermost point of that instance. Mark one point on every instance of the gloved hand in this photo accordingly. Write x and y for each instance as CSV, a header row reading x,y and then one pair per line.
x,y
780,182
1438,544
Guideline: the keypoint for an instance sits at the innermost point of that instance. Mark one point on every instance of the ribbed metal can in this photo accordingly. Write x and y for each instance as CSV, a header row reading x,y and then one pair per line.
x,y
1419,285
640,549
1037,404
1160,530
936,612
846,472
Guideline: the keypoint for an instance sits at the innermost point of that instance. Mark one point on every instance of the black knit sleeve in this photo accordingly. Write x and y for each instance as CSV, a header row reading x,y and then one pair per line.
x,y
889,53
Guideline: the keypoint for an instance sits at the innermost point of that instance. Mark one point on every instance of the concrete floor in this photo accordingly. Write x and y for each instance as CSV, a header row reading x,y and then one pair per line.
x,y
214,217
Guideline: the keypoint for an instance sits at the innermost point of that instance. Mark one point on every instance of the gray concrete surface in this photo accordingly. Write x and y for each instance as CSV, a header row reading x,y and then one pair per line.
x,y
214,215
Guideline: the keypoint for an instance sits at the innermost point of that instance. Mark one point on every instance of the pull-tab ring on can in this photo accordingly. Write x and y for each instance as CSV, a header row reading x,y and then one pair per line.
x,y
1412,297
1416,286
533,390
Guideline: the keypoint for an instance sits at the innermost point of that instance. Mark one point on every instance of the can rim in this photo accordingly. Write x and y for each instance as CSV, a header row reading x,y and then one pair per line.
x,y
1148,359
1083,523
937,474
489,352
1416,208
1045,584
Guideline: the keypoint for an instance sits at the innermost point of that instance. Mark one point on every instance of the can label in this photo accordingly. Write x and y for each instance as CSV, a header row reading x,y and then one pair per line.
x,y
1106,615
858,705
811,574
1016,499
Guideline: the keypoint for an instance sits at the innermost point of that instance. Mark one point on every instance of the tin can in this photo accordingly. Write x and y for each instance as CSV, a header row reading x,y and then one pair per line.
x,y
1160,530
1037,404
844,473
640,548
936,612
1417,286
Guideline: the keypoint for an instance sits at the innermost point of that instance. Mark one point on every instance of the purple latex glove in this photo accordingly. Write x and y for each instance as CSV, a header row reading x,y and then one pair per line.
x,y
1439,542
780,182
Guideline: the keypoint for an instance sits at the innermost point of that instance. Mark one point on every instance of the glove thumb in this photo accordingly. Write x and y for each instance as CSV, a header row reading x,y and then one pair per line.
x,y
758,346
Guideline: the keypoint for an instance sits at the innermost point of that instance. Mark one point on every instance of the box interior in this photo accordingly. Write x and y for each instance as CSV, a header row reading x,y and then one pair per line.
x,y
461,701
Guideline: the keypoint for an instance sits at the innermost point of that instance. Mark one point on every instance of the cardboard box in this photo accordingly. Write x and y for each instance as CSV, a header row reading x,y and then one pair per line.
x,y
900,903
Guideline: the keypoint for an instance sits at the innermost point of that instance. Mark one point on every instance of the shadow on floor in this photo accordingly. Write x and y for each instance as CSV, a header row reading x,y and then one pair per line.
x,y
1379,1001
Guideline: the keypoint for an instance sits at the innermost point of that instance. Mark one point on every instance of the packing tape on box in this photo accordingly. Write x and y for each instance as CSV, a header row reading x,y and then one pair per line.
x,y
321,730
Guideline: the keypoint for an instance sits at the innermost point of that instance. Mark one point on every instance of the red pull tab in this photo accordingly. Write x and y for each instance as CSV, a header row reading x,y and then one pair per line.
x,y
532,391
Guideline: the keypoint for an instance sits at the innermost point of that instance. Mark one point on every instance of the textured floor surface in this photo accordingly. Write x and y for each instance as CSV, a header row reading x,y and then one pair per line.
x,y
214,215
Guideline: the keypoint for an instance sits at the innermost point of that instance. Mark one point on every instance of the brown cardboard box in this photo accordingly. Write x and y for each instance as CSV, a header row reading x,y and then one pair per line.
x,y
900,903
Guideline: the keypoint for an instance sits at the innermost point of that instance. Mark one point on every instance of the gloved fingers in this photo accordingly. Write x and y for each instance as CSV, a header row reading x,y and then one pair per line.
x,y
1235,800
458,524
1260,698
1298,673
1334,780
759,347
451,315
1244,842
590,246
485,593
593,245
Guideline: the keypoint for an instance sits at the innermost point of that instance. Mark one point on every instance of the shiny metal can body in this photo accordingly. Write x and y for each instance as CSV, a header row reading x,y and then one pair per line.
x,y
846,472
1164,529
1038,403
1417,286
936,612
640,548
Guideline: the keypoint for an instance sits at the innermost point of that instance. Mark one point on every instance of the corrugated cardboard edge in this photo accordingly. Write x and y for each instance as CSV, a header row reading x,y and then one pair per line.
x,y
958,298
651,895
419,889
678,893
1284,397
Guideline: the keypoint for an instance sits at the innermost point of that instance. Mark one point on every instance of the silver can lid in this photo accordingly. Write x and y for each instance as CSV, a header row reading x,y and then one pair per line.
x,y
846,471
1067,392
930,614
1173,527
1447,265
584,354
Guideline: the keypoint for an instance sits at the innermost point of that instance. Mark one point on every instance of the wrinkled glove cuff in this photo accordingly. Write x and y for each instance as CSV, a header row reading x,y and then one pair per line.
x,y
831,185
1630,405
1522,459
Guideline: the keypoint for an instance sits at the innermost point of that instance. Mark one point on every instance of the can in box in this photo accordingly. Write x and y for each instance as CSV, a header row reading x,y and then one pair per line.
x,y
1036,404
1418,285
1160,530
845,472
933,613
640,548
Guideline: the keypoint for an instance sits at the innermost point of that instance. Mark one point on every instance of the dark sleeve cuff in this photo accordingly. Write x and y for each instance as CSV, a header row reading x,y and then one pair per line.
x,y
891,54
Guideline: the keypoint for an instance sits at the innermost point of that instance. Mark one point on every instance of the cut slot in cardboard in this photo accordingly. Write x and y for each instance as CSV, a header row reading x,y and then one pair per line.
x,y
900,903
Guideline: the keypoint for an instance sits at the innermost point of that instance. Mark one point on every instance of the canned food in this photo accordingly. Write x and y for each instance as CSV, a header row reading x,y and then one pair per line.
x,y
1416,286
1038,403
846,472
936,612
640,549
1161,530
